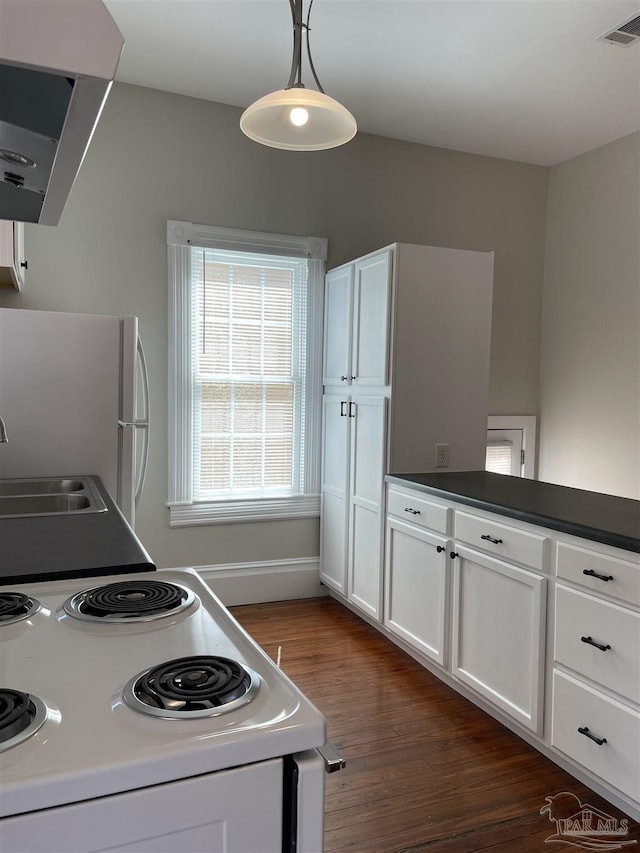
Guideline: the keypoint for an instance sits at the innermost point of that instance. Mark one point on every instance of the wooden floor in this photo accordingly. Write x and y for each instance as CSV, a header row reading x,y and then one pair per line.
x,y
426,769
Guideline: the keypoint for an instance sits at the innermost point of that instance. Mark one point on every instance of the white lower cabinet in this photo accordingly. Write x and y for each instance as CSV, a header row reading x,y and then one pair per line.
x,y
416,588
334,495
595,702
352,499
468,591
498,615
366,501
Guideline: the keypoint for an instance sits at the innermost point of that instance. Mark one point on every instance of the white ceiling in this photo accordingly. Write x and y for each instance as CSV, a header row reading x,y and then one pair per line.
x,y
518,79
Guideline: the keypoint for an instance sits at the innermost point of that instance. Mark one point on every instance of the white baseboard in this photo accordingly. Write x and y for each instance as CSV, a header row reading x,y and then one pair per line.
x,y
253,583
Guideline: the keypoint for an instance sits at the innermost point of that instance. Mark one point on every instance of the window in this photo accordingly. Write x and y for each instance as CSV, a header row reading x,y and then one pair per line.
x,y
511,443
245,322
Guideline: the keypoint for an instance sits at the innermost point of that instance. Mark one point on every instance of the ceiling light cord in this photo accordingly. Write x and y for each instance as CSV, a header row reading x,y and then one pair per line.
x,y
295,78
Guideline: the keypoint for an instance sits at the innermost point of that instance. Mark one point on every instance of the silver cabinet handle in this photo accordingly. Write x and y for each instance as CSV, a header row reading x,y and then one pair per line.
x,y
412,510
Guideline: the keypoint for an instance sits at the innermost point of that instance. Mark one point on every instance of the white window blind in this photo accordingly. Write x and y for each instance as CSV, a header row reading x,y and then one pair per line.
x,y
499,457
249,368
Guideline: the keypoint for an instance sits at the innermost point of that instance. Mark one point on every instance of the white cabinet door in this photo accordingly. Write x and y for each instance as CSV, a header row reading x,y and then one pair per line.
x,y
334,495
415,588
367,416
338,324
371,321
12,262
498,633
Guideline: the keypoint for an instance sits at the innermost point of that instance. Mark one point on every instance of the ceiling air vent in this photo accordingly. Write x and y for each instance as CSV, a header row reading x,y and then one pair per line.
x,y
625,34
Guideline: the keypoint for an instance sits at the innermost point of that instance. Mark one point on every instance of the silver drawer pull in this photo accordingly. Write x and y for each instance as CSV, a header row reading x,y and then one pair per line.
x,y
411,510
333,760
592,642
491,539
585,731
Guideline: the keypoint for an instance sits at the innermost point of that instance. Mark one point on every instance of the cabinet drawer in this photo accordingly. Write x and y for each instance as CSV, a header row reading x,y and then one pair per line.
x,y
575,705
411,507
502,541
603,573
580,615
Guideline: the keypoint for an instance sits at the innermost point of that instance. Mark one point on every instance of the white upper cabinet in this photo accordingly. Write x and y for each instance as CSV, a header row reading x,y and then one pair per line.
x,y
338,313
356,338
12,262
371,299
416,322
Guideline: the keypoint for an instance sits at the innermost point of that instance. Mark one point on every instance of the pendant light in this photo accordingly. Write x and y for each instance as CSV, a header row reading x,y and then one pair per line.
x,y
296,118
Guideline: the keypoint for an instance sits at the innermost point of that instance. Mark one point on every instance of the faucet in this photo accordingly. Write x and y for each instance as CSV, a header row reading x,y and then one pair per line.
x,y
3,433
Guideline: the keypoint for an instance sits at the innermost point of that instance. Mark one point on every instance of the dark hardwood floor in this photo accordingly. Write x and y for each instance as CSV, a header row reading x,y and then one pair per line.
x,y
426,769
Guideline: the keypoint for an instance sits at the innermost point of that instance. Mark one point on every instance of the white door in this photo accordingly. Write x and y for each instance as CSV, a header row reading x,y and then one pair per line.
x,y
366,512
338,308
415,596
334,491
371,322
498,633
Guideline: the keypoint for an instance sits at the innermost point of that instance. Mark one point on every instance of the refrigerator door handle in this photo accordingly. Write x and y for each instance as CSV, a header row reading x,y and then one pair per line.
x,y
145,380
143,423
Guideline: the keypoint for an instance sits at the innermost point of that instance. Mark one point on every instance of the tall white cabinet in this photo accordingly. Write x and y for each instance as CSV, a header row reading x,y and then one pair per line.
x,y
406,366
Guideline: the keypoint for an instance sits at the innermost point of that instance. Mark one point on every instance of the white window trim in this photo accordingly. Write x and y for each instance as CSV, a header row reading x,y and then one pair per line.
x,y
527,423
183,510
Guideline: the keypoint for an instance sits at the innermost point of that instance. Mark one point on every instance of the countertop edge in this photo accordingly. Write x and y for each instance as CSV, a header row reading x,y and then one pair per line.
x,y
604,537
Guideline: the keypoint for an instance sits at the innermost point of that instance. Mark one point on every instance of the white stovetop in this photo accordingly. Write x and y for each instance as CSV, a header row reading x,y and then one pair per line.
x,y
92,744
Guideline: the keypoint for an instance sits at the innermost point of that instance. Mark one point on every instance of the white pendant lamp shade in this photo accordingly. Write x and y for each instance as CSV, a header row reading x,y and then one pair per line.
x,y
298,119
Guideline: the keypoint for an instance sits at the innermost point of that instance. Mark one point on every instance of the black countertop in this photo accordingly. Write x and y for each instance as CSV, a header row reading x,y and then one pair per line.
x,y
43,548
602,518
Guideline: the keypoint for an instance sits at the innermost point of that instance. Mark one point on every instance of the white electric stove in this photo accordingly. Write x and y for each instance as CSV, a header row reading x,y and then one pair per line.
x,y
136,714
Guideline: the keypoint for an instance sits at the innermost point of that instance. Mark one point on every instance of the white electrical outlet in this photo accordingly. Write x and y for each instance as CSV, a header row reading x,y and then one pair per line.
x,y
442,455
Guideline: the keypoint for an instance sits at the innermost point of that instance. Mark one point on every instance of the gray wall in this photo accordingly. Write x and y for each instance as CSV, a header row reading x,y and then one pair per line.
x,y
590,364
157,156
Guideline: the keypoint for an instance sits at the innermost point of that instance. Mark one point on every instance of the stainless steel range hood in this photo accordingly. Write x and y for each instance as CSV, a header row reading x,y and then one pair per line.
x,y
58,59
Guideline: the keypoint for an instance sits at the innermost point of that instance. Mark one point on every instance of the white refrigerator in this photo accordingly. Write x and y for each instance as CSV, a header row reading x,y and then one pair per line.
x,y
74,399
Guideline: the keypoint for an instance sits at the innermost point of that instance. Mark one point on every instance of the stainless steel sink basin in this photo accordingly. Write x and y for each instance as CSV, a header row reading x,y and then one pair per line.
x,y
12,488
42,504
49,496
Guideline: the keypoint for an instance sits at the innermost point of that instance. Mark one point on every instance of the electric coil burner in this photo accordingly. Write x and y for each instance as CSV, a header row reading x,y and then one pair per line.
x,y
14,607
21,715
192,687
130,601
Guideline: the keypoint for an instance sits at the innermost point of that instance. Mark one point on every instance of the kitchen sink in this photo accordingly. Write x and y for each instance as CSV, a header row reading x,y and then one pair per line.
x,y
12,488
49,496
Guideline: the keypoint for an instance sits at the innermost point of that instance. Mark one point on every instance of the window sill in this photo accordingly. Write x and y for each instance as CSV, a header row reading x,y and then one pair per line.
x,y
230,512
